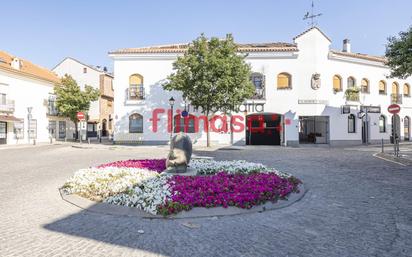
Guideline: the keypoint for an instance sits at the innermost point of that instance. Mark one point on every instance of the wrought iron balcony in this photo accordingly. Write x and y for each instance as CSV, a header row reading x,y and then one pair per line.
x,y
352,94
7,106
51,108
259,94
396,98
135,92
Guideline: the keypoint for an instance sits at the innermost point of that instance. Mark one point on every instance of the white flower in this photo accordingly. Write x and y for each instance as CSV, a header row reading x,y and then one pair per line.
x,y
207,167
99,183
146,196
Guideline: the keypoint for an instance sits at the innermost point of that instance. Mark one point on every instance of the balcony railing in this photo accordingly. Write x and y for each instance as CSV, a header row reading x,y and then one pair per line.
x,y
135,92
396,98
352,94
7,106
51,108
259,94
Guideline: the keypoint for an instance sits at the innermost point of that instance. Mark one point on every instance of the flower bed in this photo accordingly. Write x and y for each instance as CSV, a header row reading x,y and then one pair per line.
x,y
140,184
223,189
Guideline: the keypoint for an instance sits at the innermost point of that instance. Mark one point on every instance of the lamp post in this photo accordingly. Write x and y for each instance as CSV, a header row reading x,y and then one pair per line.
x,y
171,102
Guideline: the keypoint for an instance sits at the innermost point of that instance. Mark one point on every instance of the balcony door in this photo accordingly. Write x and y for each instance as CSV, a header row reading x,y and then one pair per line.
x,y
3,133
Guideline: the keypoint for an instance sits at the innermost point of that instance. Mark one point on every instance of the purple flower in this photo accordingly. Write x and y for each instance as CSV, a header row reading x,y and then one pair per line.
x,y
223,189
157,165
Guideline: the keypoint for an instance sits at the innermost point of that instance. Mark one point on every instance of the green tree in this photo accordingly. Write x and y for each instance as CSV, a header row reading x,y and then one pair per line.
x,y
70,99
212,75
399,54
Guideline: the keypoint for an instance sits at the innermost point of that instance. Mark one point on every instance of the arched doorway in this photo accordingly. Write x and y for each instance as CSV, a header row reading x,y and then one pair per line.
x,y
406,128
264,129
104,128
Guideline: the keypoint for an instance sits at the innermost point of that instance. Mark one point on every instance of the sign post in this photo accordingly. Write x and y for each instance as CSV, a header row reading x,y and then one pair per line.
x,y
81,117
395,109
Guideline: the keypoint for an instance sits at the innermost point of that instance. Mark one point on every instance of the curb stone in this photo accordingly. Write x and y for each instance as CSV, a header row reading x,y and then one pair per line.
x,y
197,212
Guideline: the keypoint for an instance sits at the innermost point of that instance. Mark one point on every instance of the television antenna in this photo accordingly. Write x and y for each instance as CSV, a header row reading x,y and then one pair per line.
x,y
312,16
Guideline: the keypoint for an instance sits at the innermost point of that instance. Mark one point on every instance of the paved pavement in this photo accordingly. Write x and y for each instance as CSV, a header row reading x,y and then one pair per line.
x,y
357,205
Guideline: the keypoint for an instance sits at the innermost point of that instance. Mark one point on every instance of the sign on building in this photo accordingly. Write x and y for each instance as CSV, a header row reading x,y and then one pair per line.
x,y
371,109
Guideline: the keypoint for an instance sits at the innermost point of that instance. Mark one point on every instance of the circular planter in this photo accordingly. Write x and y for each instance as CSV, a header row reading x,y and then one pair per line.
x,y
197,212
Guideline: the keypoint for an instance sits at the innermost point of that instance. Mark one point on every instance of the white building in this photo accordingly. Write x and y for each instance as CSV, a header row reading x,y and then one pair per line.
x,y
306,93
101,111
25,93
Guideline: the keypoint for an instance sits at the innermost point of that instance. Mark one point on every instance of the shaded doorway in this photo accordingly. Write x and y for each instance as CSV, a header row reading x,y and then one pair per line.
x,y
313,129
3,133
263,129
104,128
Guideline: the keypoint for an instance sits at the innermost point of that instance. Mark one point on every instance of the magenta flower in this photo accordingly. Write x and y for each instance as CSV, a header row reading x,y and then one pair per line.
x,y
223,189
157,165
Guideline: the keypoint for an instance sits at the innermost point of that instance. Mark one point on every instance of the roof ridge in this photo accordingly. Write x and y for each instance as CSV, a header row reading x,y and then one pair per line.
x,y
310,29
181,47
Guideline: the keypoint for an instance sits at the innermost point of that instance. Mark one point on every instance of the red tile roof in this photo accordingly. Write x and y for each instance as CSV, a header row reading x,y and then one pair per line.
x,y
27,68
361,56
181,48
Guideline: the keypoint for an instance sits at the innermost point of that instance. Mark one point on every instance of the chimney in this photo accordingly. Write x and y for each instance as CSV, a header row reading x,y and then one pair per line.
x,y
346,45
16,63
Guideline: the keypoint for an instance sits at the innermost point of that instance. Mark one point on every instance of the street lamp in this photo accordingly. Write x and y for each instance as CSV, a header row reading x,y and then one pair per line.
x,y
171,102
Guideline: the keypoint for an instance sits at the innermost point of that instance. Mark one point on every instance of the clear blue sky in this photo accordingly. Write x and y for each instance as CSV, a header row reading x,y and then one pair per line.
x,y
45,32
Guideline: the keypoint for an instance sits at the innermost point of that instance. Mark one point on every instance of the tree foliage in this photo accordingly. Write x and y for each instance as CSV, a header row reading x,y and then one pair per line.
x,y
70,99
399,54
212,75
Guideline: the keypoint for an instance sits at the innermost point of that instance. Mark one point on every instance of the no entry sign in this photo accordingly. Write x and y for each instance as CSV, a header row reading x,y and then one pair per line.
x,y
394,108
80,116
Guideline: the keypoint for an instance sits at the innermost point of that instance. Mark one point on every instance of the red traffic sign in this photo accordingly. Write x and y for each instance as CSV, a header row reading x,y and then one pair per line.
x,y
394,108
80,116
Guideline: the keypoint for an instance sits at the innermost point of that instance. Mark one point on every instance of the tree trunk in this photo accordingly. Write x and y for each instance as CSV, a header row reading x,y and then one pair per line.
x,y
208,130
76,130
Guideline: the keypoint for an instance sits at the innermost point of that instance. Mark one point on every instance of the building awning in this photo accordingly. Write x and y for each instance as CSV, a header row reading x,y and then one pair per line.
x,y
9,118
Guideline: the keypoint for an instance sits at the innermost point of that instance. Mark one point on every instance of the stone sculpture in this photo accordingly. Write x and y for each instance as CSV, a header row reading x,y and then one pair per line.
x,y
180,154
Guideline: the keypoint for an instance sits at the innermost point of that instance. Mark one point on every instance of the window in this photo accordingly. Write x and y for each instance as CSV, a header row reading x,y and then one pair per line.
x,y
184,124
284,80
382,87
351,123
337,83
84,70
135,123
136,89
351,82
406,90
3,99
395,88
365,86
382,124
258,81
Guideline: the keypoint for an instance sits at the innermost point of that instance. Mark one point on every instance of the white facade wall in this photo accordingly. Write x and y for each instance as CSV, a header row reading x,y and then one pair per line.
x,y
27,92
91,78
314,56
